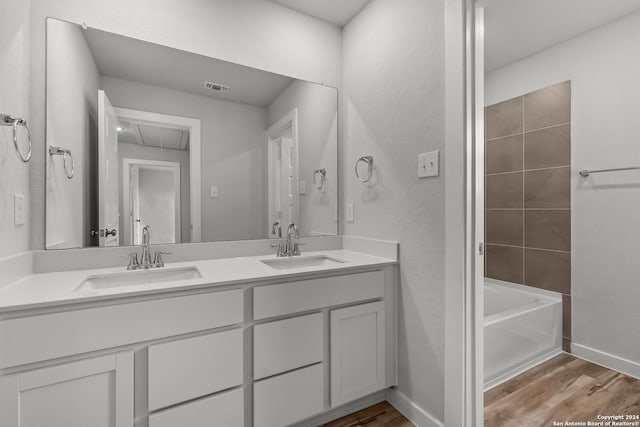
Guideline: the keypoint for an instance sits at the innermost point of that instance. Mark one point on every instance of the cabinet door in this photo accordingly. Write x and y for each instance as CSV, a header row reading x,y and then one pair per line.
x,y
95,392
357,352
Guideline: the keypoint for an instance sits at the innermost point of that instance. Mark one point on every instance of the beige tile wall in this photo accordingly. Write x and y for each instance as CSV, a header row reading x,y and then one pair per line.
x,y
528,192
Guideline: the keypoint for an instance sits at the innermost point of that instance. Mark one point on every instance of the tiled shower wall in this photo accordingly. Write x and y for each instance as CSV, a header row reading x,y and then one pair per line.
x,y
528,192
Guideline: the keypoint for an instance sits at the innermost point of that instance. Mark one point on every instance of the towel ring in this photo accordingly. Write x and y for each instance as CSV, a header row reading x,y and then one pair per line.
x,y
322,173
369,161
7,120
57,151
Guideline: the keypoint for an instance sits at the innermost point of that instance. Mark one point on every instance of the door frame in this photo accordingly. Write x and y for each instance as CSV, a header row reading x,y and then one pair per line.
x,y
126,198
464,367
274,132
193,127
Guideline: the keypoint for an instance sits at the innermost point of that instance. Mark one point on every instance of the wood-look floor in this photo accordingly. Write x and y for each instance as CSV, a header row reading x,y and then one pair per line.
x,y
562,389
380,415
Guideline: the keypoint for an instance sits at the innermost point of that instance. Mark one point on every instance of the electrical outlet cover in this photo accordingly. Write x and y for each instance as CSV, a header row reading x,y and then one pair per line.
x,y
18,209
429,164
349,212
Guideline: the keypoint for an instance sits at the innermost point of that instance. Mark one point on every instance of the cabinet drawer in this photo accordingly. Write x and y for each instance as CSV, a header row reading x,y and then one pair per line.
x,y
294,297
48,336
287,344
194,367
289,398
224,409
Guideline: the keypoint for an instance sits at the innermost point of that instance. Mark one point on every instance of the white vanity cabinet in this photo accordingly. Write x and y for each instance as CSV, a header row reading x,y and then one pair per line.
x,y
257,354
186,348
358,347
331,348
96,392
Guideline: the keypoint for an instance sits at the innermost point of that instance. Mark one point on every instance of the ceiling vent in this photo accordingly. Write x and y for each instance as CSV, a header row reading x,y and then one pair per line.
x,y
217,87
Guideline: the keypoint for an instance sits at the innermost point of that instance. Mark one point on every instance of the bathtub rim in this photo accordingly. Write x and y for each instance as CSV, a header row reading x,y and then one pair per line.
x,y
546,298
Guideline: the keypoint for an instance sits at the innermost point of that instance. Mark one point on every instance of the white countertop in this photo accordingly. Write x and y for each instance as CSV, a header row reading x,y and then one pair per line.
x,y
51,289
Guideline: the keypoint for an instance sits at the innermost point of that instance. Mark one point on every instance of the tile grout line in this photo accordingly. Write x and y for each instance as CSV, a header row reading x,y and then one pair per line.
x,y
527,170
527,209
525,131
524,236
528,247
546,127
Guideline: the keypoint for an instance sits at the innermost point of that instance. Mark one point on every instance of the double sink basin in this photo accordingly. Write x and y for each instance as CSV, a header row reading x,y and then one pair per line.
x,y
179,274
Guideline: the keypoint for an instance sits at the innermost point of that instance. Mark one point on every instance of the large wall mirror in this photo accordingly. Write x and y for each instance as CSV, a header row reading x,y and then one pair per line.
x,y
196,148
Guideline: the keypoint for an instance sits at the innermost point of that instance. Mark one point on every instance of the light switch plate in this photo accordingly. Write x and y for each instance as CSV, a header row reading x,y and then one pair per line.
x,y
349,212
429,164
18,209
302,187
213,192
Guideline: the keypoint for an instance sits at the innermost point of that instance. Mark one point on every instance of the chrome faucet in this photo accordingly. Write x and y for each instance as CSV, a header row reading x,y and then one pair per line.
x,y
145,257
293,247
289,247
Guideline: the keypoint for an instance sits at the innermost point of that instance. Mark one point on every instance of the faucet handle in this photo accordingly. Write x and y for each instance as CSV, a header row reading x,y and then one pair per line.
x,y
133,261
280,251
296,248
157,259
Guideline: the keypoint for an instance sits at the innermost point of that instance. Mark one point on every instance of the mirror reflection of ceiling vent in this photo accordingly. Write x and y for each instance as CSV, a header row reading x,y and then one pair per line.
x,y
217,87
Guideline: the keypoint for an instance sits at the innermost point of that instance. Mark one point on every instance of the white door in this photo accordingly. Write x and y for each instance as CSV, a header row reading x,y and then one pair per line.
x,y
152,198
95,392
282,191
136,220
283,172
357,352
108,166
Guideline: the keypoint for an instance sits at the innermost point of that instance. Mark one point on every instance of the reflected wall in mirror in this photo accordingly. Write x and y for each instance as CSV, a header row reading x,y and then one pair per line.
x,y
197,148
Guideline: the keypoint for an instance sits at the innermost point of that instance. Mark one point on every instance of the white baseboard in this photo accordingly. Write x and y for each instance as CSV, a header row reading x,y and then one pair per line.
x,y
410,410
625,366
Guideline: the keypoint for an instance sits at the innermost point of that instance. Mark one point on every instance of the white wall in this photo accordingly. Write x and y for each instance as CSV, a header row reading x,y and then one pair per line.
x,y
233,154
72,124
603,66
134,151
393,109
318,148
14,99
255,33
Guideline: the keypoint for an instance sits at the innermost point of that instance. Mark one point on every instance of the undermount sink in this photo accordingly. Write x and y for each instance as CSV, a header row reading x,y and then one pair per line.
x,y
300,262
139,277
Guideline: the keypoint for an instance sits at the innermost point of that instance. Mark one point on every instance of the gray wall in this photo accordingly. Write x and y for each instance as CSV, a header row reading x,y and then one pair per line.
x,y
15,74
233,154
393,109
72,124
318,148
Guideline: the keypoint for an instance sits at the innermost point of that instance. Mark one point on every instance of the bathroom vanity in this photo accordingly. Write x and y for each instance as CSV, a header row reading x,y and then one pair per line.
x,y
202,161
247,341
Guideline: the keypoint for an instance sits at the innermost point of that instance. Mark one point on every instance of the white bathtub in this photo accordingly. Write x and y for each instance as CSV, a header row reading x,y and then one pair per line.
x,y
522,328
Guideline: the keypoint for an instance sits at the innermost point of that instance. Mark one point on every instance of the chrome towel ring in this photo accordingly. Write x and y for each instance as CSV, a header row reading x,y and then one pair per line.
x,y
7,120
369,161
320,178
58,151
